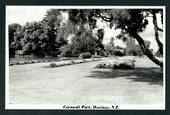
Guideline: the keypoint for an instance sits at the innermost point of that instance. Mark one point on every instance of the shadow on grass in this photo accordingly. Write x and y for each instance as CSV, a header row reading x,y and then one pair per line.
x,y
139,74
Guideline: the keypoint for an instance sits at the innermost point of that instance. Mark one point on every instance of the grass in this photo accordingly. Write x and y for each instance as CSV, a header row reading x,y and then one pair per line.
x,y
83,84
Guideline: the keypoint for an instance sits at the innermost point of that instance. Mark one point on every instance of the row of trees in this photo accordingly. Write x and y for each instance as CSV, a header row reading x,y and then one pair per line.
x,y
49,36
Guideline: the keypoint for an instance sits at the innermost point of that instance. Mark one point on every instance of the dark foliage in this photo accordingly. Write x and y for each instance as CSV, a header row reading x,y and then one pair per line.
x,y
85,55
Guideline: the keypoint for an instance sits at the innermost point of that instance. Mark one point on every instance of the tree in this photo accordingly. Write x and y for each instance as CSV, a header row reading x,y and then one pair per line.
x,y
13,43
34,39
84,41
151,13
12,29
82,17
110,47
52,25
40,38
44,37
66,51
81,43
99,43
134,49
130,21
156,28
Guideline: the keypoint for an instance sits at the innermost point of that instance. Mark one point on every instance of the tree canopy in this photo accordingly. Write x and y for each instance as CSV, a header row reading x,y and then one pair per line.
x,y
130,21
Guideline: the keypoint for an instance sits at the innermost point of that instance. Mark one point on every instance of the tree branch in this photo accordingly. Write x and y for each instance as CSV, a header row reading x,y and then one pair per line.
x,y
159,29
104,17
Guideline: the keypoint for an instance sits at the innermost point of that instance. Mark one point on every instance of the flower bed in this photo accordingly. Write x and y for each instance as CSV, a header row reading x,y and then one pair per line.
x,y
31,62
59,64
72,61
116,64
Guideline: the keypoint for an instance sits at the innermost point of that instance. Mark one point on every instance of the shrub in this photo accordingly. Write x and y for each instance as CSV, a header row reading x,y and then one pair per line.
x,y
96,56
118,52
66,51
104,54
21,63
85,55
72,62
64,58
116,65
101,65
38,61
134,52
69,63
29,62
33,61
158,54
48,60
125,65
53,65
11,64
77,62
83,60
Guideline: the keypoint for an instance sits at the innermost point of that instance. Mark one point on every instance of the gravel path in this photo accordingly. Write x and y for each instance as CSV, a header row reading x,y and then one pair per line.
x,y
83,84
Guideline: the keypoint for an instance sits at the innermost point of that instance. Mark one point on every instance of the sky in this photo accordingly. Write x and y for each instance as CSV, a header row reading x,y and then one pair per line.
x,y
23,14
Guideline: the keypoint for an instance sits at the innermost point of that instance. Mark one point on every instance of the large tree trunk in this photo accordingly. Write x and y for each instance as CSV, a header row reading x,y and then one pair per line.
x,y
146,51
156,33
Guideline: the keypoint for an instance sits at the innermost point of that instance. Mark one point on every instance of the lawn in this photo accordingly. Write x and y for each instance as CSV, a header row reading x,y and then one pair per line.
x,y
85,84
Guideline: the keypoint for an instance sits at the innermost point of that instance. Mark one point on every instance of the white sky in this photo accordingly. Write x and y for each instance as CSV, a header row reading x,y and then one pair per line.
x,y
23,14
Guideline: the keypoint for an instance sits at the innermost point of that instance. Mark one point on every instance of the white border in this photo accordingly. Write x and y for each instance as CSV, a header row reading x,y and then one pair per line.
x,y
54,107
164,55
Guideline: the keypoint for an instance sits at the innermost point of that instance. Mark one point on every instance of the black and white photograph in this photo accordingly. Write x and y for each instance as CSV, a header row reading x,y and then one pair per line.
x,y
85,57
